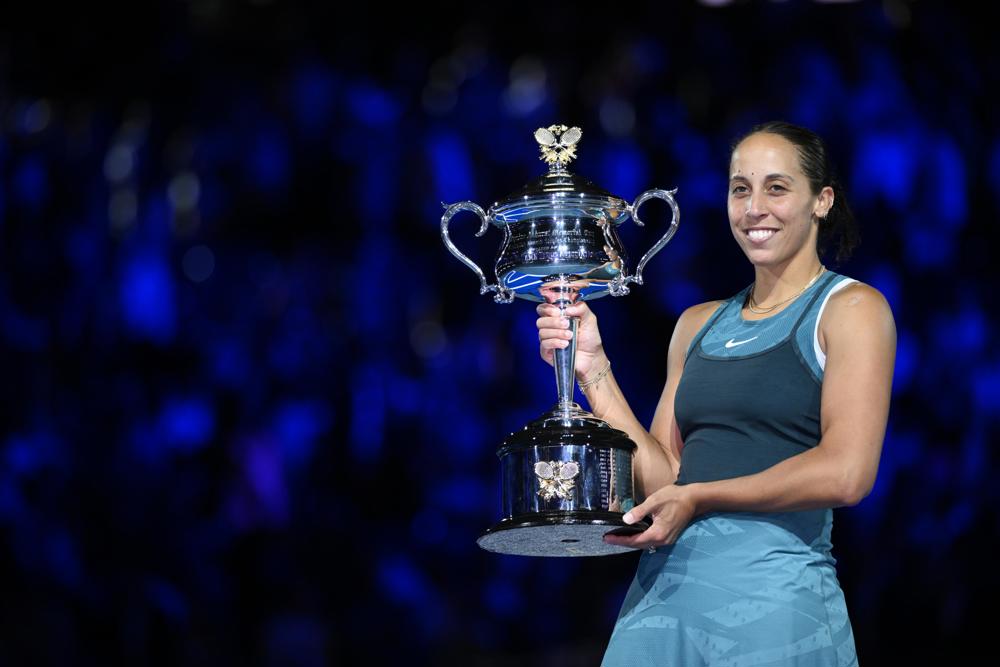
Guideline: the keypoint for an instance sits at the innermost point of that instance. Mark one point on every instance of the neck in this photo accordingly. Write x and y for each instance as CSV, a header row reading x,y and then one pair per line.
x,y
774,283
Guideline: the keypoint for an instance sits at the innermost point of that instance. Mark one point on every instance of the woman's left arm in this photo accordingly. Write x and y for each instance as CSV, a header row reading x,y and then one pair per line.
x,y
859,335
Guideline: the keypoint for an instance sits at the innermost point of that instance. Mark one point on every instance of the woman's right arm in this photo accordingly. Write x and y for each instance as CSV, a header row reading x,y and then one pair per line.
x,y
657,458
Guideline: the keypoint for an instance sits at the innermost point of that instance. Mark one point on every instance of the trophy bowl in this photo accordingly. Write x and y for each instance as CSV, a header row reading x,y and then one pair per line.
x,y
566,477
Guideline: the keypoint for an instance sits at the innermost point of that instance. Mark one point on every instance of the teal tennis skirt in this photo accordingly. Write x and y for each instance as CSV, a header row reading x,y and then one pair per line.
x,y
737,589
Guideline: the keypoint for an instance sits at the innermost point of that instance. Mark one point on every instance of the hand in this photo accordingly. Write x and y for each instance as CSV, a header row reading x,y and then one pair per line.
x,y
672,509
553,333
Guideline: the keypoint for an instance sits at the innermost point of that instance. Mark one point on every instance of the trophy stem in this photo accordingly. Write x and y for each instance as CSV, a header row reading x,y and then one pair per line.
x,y
565,364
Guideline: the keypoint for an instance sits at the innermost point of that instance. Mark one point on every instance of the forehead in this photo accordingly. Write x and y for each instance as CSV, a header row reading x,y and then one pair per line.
x,y
764,153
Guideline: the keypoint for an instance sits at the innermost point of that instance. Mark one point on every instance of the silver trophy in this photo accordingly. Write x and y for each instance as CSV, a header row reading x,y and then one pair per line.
x,y
566,477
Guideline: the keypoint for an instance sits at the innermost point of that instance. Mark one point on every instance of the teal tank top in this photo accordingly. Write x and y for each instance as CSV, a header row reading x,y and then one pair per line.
x,y
749,396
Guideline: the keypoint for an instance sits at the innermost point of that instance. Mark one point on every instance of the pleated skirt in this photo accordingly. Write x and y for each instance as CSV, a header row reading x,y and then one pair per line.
x,y
737,589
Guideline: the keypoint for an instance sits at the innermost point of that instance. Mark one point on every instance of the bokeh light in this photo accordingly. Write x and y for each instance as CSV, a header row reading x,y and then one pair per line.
x,y
252,403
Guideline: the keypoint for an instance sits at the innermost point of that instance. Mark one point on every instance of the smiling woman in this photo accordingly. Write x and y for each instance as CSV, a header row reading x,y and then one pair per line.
x,y
773,210
773,413
781,181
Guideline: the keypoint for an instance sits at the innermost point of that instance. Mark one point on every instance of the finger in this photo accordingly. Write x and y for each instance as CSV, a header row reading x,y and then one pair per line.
x,y
562,334
575,310
550,344
637,512
552,323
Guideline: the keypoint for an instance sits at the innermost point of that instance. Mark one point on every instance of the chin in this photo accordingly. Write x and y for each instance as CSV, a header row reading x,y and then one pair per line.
x,y
759,255
762,259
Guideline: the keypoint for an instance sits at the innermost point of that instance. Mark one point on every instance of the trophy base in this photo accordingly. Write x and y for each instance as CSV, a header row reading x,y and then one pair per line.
x,y
559,534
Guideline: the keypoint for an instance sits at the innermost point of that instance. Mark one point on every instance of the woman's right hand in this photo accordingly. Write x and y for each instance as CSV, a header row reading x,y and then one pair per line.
x,y
553,333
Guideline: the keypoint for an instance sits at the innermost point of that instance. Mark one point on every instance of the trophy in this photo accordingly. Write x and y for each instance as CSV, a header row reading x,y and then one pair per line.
x,y
566,477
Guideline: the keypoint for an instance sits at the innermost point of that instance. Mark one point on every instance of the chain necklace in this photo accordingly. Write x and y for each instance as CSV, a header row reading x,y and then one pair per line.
x,y
752,305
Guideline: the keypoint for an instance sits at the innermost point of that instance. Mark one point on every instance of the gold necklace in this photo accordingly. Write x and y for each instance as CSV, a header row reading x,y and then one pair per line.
x,y
752,305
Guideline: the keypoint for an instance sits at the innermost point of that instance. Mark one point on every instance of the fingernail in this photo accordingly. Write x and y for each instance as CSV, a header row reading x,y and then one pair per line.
x,y
628,518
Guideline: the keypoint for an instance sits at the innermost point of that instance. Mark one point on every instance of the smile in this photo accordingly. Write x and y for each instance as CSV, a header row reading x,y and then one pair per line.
x,y
761,235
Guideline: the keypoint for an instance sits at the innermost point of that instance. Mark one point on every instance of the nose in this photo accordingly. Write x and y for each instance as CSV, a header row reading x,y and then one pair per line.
x,y
756,205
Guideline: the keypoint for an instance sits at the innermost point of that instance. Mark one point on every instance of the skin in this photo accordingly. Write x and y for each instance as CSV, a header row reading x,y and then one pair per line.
x,y
767,189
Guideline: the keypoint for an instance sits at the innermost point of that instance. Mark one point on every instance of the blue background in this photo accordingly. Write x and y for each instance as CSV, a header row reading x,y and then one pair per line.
x,y
251,403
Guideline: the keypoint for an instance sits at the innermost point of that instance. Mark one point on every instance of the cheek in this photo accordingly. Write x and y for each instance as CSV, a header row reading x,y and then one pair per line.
x,y
735,212
735,229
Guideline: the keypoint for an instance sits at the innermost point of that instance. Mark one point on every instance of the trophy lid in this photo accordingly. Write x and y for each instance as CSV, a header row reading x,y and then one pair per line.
x,y
559,192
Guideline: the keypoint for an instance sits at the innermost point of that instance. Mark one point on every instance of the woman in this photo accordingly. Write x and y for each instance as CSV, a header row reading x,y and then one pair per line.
x,y
773,413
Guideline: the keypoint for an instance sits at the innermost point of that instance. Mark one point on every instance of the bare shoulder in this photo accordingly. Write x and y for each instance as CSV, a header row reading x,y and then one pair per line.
x,y
858,300
689,323
855,309
695,316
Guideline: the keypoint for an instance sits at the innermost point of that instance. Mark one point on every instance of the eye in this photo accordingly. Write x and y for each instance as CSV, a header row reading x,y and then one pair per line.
x,y
778,187
738,189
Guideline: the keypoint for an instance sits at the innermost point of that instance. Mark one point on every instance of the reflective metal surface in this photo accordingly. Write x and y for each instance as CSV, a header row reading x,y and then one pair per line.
x,y
598,463
560,228
603,479
566,478
566,469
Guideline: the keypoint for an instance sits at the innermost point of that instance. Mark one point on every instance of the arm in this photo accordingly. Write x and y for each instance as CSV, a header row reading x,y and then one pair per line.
x,y
654,464
860,338
657,458
656,461
859,335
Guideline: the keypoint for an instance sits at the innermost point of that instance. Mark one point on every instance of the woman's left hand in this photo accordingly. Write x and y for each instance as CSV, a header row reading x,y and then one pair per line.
x,y
671,508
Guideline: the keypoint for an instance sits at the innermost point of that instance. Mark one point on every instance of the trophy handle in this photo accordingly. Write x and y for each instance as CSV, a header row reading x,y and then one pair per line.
x,y
667,196
503,295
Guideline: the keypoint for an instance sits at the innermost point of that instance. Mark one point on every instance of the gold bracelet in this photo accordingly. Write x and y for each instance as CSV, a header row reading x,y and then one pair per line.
x,y
596,378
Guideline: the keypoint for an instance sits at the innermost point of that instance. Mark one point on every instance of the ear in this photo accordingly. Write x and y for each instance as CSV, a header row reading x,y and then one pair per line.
x,y
824,202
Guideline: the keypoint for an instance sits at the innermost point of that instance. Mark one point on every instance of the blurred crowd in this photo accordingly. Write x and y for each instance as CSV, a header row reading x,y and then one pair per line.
x,y
252,403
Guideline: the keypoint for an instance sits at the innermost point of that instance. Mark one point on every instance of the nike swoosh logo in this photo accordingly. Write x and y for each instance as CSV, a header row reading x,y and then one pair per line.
x,y
732,342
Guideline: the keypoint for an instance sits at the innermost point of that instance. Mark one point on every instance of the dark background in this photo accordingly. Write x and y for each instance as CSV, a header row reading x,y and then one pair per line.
x,y
251,403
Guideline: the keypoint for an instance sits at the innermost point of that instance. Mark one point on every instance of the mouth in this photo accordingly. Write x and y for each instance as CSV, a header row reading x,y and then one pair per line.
x,y
760,234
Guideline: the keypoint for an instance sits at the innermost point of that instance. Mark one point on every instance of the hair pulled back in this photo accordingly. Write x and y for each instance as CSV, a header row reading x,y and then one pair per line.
x,y
839,228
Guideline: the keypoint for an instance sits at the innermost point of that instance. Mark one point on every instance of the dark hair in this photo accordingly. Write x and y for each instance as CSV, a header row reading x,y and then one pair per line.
x,y
839,225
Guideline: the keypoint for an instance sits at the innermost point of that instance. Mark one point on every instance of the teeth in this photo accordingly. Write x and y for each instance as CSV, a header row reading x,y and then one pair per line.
x,y
760,234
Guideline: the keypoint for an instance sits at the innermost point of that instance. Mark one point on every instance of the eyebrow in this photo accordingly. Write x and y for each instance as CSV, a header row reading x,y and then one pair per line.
x,y
739,177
